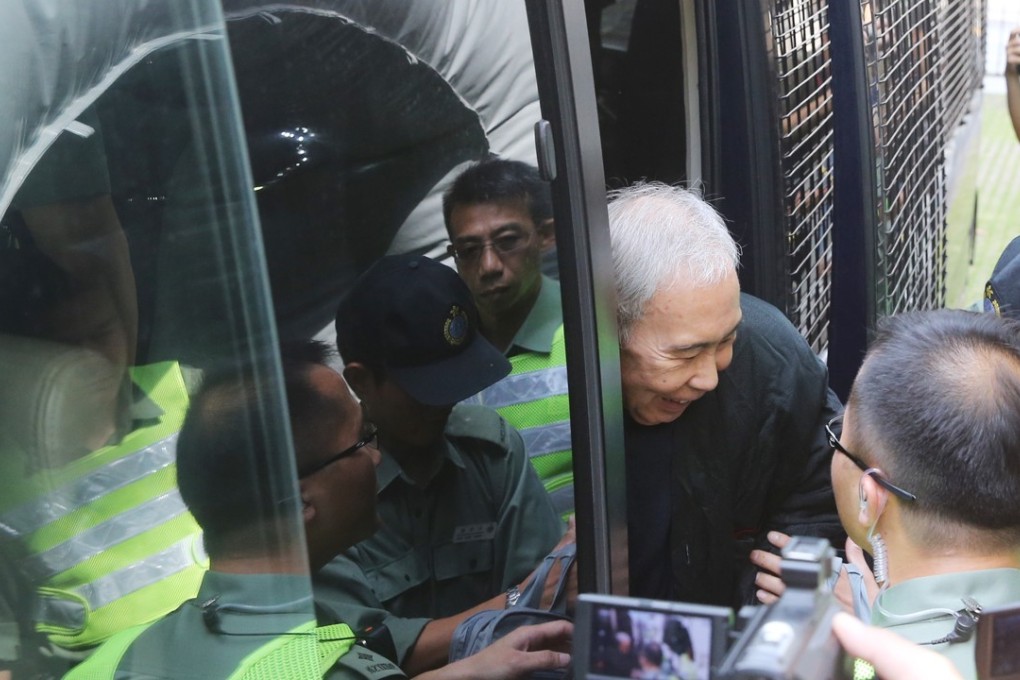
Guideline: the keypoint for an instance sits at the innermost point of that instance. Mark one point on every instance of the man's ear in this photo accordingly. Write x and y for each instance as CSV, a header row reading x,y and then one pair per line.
x,y
359,377
546,230
308,509
872,501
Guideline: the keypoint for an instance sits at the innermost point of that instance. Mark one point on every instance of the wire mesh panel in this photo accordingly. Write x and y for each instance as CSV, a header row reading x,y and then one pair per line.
x,y
902,43
799,30
962,56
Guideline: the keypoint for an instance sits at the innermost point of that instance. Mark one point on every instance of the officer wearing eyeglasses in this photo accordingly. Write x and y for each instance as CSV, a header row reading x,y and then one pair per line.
x,y
254,608
926,473
253,616
499,219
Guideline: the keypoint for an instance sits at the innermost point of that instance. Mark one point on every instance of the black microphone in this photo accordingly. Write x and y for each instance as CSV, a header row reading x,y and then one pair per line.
x,y
211,616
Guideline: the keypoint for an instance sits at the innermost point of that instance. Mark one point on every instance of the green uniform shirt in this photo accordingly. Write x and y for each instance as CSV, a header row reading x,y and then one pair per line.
x,y
482,524
251,610
534,399
544,319
990,588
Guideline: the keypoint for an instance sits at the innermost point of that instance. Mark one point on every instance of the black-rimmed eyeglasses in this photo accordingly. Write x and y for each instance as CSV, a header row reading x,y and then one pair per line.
x,y
897,491
470,252
350,450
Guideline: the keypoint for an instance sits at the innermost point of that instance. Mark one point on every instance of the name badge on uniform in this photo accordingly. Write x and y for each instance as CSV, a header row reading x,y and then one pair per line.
x,y
474,532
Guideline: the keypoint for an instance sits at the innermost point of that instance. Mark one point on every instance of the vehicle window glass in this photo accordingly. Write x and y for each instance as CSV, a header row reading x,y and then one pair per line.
x,y
638,63
132,272
358,119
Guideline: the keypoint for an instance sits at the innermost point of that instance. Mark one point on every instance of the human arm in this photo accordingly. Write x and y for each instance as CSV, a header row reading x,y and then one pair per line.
x,y
518,655
1013,79
786,386
893,657
432,647
528,528
770,584
442,553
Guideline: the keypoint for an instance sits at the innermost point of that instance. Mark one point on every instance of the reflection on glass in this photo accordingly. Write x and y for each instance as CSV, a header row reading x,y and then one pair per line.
x,y
134,107
499,218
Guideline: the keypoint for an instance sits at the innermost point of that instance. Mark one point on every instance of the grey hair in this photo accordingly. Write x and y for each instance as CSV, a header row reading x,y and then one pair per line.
x,y
663,235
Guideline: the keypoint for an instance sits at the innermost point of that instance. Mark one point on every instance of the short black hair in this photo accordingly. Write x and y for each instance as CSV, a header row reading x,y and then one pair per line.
x,y
937,406
227,456
498,180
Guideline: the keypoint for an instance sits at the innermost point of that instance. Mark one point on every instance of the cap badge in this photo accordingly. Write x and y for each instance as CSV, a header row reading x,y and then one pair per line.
x,y
455,329
992,300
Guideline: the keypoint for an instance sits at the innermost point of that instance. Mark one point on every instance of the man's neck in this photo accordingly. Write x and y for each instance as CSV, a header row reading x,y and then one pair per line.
x,y
419,464
909,561
501,329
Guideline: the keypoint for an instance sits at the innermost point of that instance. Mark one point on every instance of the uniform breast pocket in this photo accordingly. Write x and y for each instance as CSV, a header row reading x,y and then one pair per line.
x,y
390,580
459,559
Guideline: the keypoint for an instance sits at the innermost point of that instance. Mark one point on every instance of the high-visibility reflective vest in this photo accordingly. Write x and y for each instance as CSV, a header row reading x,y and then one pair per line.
x,y
299,654
109,541
533,398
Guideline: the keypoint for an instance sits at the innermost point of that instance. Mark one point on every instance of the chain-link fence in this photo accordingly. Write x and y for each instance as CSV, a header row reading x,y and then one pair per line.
x,y
800,35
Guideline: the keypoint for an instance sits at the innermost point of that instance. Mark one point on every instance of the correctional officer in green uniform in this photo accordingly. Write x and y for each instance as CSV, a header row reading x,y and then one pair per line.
x,y
253,617
926,477
926,474
465,517
498,215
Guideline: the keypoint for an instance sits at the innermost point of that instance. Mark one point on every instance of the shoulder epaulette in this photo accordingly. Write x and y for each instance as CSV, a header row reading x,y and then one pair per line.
x,y
479,424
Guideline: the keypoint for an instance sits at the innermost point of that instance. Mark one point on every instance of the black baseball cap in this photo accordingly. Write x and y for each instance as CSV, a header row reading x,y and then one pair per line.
x,y
415,318
1002,292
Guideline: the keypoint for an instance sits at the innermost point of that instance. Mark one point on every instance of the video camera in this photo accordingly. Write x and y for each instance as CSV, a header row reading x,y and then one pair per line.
x,y
619,637
997,651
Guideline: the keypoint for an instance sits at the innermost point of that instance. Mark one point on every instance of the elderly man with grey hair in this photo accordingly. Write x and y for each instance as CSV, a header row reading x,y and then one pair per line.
x,y
726,405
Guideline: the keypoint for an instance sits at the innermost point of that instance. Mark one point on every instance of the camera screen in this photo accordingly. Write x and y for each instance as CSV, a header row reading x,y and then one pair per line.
x,y
1005,650
637,643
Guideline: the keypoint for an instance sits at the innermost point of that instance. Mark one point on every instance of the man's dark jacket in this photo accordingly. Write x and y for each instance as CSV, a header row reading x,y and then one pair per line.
x,y
749,457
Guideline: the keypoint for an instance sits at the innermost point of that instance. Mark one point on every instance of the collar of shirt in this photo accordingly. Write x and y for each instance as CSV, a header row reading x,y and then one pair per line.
x,y
990,587
265,603
389,469
546,316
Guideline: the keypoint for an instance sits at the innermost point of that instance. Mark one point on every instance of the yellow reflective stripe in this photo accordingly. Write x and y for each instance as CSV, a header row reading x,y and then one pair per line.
x,y
539,412
103,662
863,670
546,439
291,655
335,640
140,607
105,508
35,514
113,586
105,535
519,388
